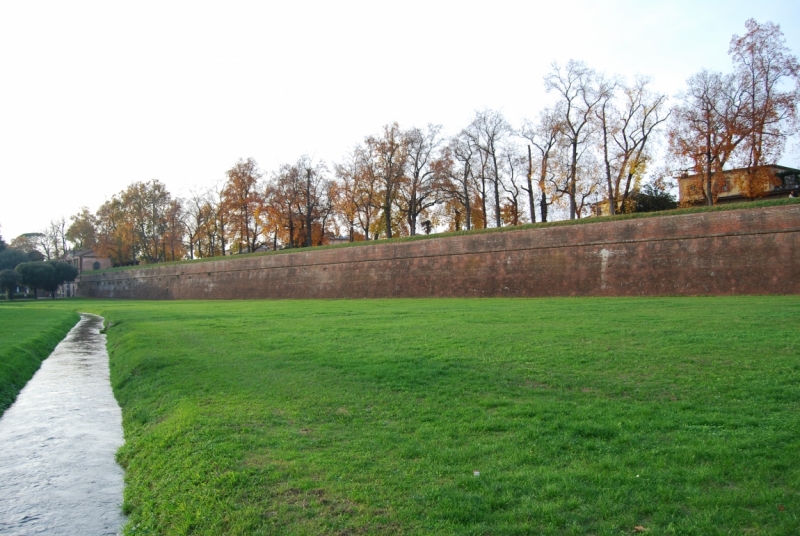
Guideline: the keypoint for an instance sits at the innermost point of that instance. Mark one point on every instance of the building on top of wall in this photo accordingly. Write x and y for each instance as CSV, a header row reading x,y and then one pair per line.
x,y
87,259
743,184
83,260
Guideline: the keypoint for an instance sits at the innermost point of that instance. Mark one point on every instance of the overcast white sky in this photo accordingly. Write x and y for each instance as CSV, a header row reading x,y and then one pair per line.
x,y
96,95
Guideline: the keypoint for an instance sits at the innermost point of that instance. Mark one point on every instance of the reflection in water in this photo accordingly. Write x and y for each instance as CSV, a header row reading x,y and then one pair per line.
x,y
57,444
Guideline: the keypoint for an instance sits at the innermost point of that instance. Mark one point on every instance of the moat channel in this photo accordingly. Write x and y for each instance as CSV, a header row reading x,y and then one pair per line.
x,y
57,444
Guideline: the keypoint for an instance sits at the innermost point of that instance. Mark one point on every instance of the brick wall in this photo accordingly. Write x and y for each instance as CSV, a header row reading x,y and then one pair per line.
x,y
753,251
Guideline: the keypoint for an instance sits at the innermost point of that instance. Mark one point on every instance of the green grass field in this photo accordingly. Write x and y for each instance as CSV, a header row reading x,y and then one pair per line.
x,y
27,336
582,416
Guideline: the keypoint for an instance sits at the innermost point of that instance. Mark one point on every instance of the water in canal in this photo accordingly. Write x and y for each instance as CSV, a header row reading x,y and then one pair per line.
x,y
57,444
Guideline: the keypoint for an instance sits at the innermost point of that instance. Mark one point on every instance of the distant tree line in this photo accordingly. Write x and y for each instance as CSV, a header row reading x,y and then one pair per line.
x,y
20,266
592,148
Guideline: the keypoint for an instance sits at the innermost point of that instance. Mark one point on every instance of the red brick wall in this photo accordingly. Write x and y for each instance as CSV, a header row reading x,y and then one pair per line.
x,y
755,251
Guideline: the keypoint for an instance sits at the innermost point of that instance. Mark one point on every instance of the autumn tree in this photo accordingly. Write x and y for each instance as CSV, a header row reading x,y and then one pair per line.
x,y
140,223
173,247
707,126
282,200
366,190
82,231
242,202
345,192
769,76
115,232
384,159
148,205
29,242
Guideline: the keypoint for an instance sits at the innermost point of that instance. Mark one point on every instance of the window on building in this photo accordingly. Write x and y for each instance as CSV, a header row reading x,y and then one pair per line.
x,y
791,182
96,265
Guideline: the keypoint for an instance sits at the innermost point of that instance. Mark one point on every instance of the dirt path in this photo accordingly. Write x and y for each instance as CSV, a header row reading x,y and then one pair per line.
x,y
57,444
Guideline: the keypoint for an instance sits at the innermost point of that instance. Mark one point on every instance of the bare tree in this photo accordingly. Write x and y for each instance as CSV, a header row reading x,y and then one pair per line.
x,y
580,90
422,187
544,136
313,199
514,164
55,237
461,152
345,195
195,221
625,131
588,172
490,130
221,222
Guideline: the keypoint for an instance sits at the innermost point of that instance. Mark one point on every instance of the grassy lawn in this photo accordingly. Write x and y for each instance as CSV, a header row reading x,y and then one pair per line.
x,y
582,416
27,336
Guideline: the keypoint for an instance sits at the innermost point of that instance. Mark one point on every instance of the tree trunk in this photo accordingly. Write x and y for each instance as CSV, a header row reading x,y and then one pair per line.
x,y
483,202
542,182
387,211
530,186
571,188
496,191
612,198
543,206
412,214
467,205
309,233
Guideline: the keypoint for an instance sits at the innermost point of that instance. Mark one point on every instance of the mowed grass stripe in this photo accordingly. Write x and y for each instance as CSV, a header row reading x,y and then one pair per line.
x,y
371,417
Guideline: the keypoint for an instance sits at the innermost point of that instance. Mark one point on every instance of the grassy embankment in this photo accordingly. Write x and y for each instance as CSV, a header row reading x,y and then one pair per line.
x,y
583,416
561,223
27,336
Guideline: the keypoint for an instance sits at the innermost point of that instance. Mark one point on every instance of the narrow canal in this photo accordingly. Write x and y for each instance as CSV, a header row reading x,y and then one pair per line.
x,y
57,444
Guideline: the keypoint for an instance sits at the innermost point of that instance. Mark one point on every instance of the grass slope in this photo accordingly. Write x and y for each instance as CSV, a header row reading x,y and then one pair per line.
x,y
583,416
27,336
511,228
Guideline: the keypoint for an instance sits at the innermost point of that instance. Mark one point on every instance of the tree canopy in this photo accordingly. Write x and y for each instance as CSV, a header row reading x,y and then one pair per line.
x,y
46,275
9,280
